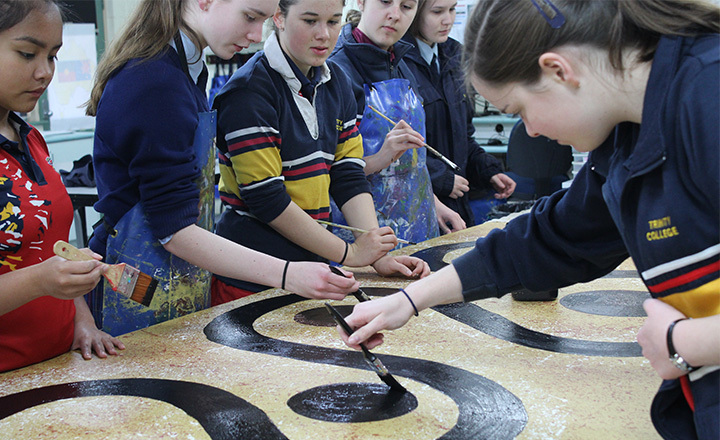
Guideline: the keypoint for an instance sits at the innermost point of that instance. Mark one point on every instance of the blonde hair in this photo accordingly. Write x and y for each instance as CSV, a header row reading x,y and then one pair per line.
x,y
151,27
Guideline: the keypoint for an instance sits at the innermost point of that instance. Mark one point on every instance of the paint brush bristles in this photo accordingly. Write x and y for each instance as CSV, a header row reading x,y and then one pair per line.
x,y
358,230
370,358
126,280
437,154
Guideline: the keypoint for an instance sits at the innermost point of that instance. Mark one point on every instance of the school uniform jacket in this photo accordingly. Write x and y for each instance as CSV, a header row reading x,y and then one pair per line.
x,y
276,146
144,133
449,112
652,192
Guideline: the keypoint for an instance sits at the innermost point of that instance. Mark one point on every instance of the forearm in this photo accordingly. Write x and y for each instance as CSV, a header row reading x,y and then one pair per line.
x,y
18,288
698,340
82,311
297,226
360,212
442,287
224,257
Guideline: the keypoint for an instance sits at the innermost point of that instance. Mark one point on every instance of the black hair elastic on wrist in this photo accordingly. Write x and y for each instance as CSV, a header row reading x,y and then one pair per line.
x,y
411,301
287,263
345,254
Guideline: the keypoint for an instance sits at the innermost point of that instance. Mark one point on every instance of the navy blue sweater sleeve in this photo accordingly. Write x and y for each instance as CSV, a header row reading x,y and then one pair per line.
x,y
568,237
145,128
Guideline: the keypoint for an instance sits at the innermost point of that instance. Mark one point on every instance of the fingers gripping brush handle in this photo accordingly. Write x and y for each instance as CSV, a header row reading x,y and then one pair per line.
x,y
359,294
370,358
126,280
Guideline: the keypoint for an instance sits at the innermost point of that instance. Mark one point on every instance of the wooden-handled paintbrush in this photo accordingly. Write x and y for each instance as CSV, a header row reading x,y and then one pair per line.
x,y
126,280
437,154
358,230
370,358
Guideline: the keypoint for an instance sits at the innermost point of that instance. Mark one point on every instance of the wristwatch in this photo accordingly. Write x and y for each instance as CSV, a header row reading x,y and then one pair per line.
x,y
675,358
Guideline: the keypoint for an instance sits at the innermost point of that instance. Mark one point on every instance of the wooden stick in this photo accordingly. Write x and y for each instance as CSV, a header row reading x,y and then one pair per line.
x,y
439,155
358,230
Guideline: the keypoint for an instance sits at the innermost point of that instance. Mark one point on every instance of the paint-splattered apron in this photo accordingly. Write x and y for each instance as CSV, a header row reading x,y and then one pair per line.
x,y
402,192
182,288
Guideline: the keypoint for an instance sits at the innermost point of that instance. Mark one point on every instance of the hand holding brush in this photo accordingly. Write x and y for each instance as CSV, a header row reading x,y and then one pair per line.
x,y
124,279
435,152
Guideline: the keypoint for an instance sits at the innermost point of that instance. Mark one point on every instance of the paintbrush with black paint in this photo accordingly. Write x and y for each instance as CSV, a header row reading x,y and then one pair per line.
x,y
370,358
359,294
125,280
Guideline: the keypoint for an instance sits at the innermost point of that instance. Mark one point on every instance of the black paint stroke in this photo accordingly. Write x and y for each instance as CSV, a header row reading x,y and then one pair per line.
x,y
434,255
352,403
625,303
486,409
502,328
319,317
223,415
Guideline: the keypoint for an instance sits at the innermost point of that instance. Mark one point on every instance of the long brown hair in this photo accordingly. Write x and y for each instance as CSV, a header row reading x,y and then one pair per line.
x,y
505,38
151,27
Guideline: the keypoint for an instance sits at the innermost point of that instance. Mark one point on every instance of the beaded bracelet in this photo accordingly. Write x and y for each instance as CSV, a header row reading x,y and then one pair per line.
x,y
287,263
411,301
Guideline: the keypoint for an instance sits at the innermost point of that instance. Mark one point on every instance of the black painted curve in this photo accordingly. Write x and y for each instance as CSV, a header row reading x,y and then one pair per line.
x,y
223,415
433,256
486,409
625,303
502,328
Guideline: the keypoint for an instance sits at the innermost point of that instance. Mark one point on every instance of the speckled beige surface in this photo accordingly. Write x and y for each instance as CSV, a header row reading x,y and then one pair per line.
x,y
565,396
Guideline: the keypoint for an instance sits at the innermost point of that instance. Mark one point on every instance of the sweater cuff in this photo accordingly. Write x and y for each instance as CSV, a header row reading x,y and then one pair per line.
x,y
474,276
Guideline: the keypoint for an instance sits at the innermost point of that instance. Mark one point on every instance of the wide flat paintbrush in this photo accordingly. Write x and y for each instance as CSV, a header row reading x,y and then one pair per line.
x,y
126,280
370,358
354,229
437,154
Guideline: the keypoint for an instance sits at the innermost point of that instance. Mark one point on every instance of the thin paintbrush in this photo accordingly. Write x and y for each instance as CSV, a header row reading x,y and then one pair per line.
x,y
126,280
359,294
370,358
438,154
358,230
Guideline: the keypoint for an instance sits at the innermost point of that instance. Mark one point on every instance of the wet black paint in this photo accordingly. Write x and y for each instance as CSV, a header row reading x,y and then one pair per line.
x,y
320,317
352,403
434,255
379,291
486,409
626,303
502,328
223,415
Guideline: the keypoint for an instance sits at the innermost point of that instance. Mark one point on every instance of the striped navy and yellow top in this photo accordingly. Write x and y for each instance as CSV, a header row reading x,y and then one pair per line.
x,y
277,146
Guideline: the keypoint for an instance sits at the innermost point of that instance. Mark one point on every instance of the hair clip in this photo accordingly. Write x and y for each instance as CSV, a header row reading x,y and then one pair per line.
x,y
557,20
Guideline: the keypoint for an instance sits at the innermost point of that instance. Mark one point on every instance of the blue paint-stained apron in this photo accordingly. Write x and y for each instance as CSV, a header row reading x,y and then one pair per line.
x,y
182,287
402,192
